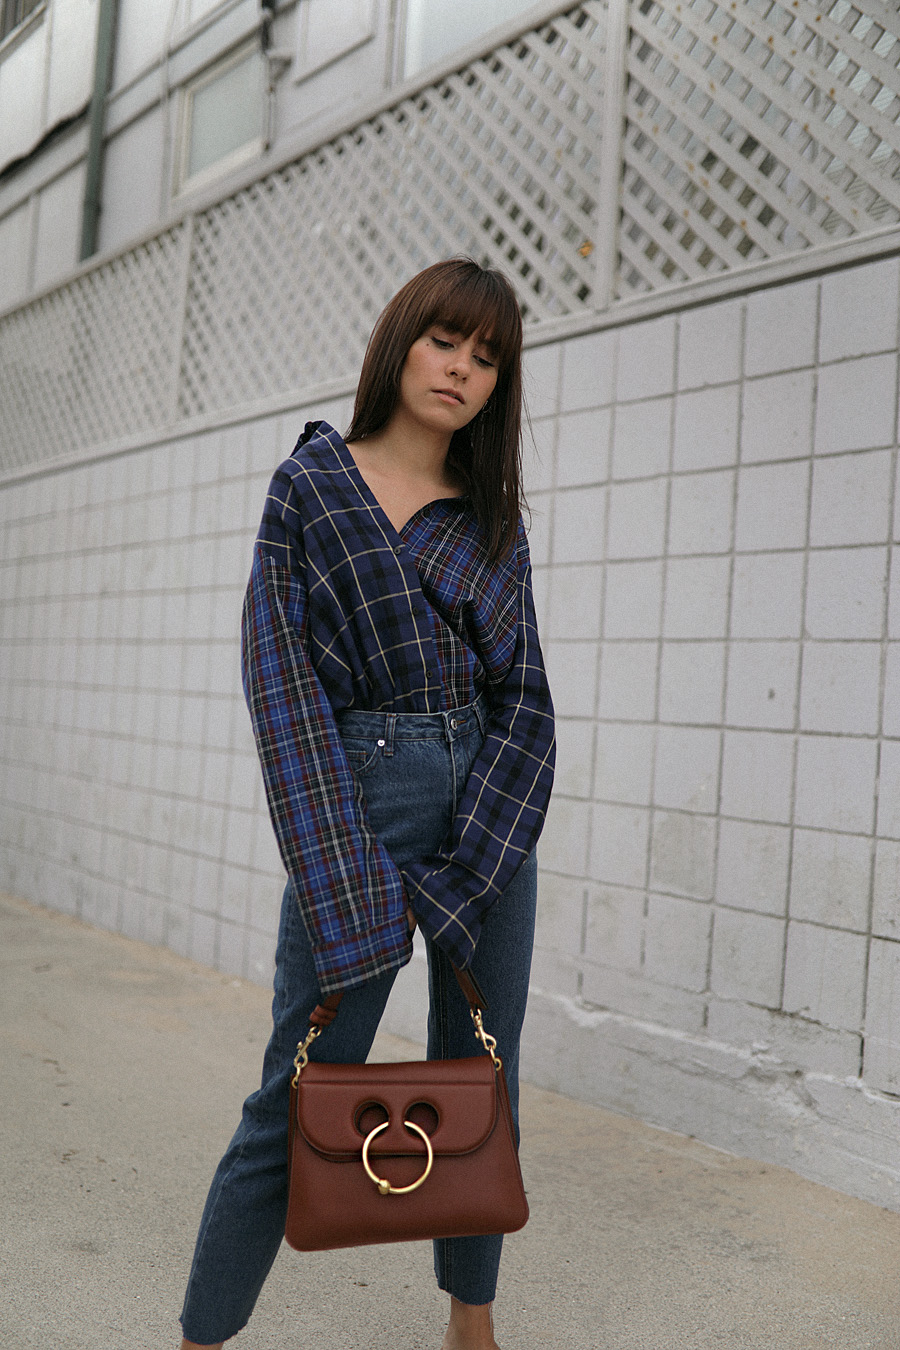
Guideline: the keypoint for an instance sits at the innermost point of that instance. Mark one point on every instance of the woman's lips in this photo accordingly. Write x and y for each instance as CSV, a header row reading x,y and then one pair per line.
x,y
449,395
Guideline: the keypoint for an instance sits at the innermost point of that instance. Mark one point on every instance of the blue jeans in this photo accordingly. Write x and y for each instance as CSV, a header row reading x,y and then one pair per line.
x,y
413,768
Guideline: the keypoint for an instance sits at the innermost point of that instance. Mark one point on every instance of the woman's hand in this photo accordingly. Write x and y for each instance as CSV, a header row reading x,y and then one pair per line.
x,y
410,919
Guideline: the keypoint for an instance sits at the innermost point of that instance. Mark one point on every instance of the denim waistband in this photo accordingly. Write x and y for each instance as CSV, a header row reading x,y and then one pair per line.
x,y
392,727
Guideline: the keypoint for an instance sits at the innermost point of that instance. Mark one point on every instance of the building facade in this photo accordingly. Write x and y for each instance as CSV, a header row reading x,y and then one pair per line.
x,y
698,204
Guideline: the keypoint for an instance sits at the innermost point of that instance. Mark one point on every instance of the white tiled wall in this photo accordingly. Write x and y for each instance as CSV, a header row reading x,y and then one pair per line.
x,y
131,794
714,528
728,529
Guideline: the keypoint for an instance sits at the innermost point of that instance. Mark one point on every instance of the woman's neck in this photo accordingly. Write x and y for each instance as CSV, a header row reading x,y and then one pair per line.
x,y
406,451
405,472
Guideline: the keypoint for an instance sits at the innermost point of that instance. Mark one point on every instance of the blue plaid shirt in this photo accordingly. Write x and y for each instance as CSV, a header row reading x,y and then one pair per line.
x,y
342,611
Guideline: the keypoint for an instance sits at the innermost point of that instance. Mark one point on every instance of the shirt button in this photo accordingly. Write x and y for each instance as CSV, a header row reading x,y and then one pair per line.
x,y
398,548
429,674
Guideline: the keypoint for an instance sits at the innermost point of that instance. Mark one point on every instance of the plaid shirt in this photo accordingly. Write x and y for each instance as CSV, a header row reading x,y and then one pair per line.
x,y
343,612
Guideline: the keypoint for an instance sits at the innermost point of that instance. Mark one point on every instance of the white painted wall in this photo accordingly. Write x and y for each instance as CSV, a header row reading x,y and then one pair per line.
x,y
141,36
715,542
57,228
47,75
15,241
72,37
135,165
22,86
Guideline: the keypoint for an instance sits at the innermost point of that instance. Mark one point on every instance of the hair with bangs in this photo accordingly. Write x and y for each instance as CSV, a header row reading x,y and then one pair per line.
x,y
464,298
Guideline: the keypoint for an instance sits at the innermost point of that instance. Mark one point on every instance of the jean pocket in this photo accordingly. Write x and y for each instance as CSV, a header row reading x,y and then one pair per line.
x,y
362,755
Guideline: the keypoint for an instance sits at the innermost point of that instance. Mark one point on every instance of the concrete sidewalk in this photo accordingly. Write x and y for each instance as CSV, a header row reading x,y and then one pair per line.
x,y
123,1070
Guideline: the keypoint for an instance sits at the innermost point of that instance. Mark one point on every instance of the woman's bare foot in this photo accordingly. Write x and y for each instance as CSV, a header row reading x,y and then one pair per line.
x,y
471,1327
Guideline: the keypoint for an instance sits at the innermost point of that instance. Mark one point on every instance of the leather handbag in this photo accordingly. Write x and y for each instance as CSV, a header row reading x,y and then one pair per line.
x,y
398,1152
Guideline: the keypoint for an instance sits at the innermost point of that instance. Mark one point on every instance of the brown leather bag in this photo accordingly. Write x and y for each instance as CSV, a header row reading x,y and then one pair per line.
x,y
397,1152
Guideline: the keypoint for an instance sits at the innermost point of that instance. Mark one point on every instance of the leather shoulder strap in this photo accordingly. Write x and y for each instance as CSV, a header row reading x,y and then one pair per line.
x,y
471,988
324,1013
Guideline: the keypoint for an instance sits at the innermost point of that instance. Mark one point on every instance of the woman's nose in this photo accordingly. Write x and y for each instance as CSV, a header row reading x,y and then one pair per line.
x,y
459,363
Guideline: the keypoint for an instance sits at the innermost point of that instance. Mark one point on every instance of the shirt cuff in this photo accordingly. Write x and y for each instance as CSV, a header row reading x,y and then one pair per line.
x,y
360,957
452,923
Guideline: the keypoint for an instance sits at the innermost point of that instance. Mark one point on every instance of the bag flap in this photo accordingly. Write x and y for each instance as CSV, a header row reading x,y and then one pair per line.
x,y
454,1101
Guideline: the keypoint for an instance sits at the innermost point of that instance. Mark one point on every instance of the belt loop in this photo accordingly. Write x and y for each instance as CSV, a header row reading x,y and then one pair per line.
x,y
390,722
480,712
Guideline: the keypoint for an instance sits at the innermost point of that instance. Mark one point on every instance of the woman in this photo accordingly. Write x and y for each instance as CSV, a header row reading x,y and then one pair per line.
x,y
397,692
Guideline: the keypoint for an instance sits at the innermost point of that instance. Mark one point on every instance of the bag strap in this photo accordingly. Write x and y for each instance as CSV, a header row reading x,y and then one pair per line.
x,y
324,1013
471,988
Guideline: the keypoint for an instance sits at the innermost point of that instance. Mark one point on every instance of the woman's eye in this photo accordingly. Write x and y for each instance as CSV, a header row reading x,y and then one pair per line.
x,y
440,342
483,361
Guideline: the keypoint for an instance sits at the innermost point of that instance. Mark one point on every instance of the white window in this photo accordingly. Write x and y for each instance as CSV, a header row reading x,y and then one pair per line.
x,y
14,12
434,30
223,118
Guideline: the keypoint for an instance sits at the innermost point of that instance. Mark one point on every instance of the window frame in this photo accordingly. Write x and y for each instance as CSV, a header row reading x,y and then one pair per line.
x,y
186,182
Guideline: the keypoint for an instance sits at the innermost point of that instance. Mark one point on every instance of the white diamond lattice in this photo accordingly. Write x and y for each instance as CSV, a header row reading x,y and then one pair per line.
x,y
94,360
755,129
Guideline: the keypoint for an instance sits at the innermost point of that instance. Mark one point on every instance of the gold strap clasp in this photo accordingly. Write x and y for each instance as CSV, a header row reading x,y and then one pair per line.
x,y
489,1042
301,1059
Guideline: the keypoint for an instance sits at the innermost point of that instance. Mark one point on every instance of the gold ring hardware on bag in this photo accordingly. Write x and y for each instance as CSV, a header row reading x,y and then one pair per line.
x,y
384,1186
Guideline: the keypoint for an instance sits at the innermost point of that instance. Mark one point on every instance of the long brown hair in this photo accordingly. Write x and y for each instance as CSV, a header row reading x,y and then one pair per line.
x,y
465,298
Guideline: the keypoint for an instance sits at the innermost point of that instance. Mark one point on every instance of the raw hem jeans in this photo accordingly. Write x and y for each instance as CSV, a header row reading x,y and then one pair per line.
x,y
412,768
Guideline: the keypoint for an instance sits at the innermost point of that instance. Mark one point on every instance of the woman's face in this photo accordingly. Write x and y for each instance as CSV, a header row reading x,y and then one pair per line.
x,y
446,379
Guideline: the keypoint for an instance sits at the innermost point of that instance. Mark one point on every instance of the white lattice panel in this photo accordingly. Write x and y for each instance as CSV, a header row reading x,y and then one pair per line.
x,y
498,161
754,129
94,360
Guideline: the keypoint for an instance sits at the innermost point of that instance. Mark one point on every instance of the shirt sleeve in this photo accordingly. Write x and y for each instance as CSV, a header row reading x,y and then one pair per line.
x,y
504,803
350,893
